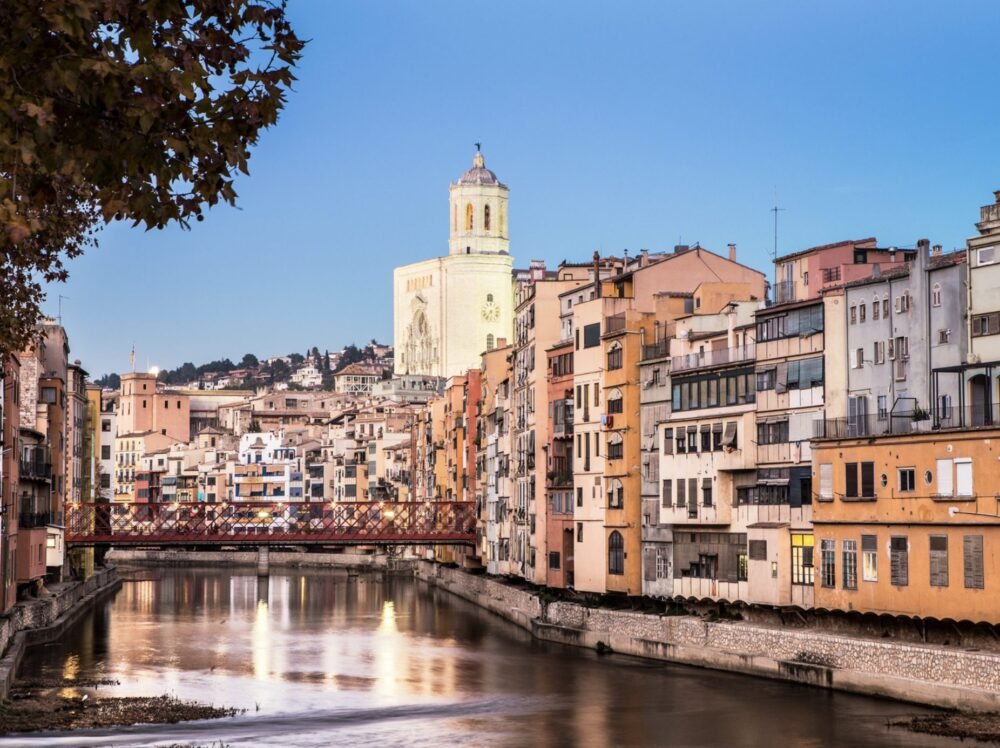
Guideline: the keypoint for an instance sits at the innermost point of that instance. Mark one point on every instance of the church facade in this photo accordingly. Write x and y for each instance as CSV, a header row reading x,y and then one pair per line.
x,y
448,310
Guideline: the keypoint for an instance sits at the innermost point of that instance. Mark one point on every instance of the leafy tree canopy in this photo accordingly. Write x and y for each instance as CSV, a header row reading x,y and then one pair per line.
x,y
249,361
119,110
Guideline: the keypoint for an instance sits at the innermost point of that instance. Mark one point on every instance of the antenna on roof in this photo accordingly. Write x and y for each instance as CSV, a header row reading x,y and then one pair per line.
x,y
775,210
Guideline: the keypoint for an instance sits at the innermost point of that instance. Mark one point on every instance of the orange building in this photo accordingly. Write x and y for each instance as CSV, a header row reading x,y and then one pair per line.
x,y
907,524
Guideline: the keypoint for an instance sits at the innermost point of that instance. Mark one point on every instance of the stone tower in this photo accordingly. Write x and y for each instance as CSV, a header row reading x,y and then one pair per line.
x,y
478,203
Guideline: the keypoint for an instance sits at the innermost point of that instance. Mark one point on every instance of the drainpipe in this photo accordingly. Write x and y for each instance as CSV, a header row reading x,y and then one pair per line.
x,y
597,274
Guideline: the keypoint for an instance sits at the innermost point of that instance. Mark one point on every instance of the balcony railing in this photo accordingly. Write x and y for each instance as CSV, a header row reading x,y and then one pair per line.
x,y
29,519
906,423
32,470
655,350
719,357
784,291
614,323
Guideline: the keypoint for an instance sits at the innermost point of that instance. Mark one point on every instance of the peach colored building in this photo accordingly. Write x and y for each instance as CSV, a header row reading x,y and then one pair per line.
x,y
144,406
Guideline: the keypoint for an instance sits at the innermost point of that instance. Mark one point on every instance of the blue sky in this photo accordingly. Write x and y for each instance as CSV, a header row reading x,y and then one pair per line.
x,y
616,125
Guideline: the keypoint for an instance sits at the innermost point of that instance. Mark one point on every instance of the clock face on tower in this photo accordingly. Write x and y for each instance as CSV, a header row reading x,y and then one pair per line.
x,y
491,312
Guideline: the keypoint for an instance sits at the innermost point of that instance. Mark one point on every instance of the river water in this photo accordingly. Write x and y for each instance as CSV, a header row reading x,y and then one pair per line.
x,y
331,659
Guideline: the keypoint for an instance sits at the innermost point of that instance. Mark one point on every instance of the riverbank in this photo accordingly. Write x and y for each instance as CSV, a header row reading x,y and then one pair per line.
x,y
924,674
43,619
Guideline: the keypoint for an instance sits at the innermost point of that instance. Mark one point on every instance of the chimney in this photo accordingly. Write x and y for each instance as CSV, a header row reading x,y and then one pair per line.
x,y
936,251
643,258
680,249
597,274
732,253
924,246
501,342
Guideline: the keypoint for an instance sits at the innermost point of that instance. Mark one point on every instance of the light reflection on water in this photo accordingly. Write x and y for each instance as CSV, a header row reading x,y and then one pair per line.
x,y
318,658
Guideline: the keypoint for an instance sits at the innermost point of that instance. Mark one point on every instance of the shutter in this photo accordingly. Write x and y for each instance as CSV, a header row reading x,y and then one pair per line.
x,y
944,478
649,564
972,560
900,566
963,477
852,416
939,560
781,378
667,498
729,437
668,441
868,479
681,492
758,550
706,490
826,481
851,480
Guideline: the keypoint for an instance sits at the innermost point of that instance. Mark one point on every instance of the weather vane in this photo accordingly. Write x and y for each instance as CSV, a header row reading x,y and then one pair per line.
x,y
478,147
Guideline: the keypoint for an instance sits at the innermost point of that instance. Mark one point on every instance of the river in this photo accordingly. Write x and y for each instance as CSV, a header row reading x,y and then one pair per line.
x,y
328,658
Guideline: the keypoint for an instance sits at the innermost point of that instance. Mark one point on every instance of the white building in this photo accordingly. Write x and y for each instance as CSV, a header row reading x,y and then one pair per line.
x,y
448,310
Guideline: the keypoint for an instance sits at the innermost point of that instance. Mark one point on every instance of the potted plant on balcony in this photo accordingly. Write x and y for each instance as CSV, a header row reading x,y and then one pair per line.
x,y
921,419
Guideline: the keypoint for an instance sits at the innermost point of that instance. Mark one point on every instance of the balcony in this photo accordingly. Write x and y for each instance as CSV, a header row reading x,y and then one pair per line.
x,y
614,324
34,470
784,292
720,357
29,518
655,350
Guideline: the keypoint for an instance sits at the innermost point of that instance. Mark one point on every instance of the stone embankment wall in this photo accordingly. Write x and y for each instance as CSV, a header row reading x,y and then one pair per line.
x,y
44,619
249,558
926,674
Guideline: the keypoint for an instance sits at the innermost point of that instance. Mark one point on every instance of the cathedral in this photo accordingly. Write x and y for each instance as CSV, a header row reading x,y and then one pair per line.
x,y
448,310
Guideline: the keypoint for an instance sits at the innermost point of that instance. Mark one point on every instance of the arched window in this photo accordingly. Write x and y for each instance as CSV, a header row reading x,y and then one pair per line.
x,y
489,342
615,356
936,295
468,216
616,494
876,308
486,217
616,447
615,401
616,553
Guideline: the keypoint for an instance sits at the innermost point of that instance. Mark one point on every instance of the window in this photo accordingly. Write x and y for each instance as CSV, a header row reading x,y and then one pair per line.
x,y
936,295
885,307
879,352
668,441
591,335
902,304
826,481
105,451
867,483
883,407
667,495
939,560
805,373
105,425
553,555
876,306
579,532
486,226
859,358
861,312
662,562
805,278
986,255
616,494
489,342
791,324
729,437
681,492
869,558
706,438
850,562
616,553
706,491
468,216
757,550
772,432
899,561
802,558
615,356
765,380
105,480
986,324
907,479
944,337
828,563
854,315
972,561
579,495
710,390
615,402
616,447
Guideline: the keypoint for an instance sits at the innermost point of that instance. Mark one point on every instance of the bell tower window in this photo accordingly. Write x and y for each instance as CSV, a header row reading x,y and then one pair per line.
x,y
486,217
468,216
489,342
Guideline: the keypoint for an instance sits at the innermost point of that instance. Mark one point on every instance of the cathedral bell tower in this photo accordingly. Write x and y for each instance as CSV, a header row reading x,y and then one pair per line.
x,y
478,202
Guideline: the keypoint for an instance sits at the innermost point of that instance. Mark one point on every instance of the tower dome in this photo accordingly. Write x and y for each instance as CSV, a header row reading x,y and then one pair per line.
x,y
478,202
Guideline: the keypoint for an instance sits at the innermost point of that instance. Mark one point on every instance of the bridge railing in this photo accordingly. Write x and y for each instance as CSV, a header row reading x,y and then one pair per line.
x,y
235,522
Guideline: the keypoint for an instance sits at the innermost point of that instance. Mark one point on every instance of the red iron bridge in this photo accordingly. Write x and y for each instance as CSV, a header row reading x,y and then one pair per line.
x,y
272,523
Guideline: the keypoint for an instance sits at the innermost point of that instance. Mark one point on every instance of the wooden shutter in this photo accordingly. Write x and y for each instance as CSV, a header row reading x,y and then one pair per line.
x,y
758,550
667,499
781,378
826,481
900,563
972,561
668,441
868,479
851,480
939,560
963,477
945,485
681,492
649,564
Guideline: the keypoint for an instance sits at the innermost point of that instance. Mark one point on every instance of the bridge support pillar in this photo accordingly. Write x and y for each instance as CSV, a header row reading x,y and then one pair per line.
x,y
263,561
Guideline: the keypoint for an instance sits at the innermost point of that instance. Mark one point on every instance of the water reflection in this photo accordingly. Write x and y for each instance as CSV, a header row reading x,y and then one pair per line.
x,y
323,658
